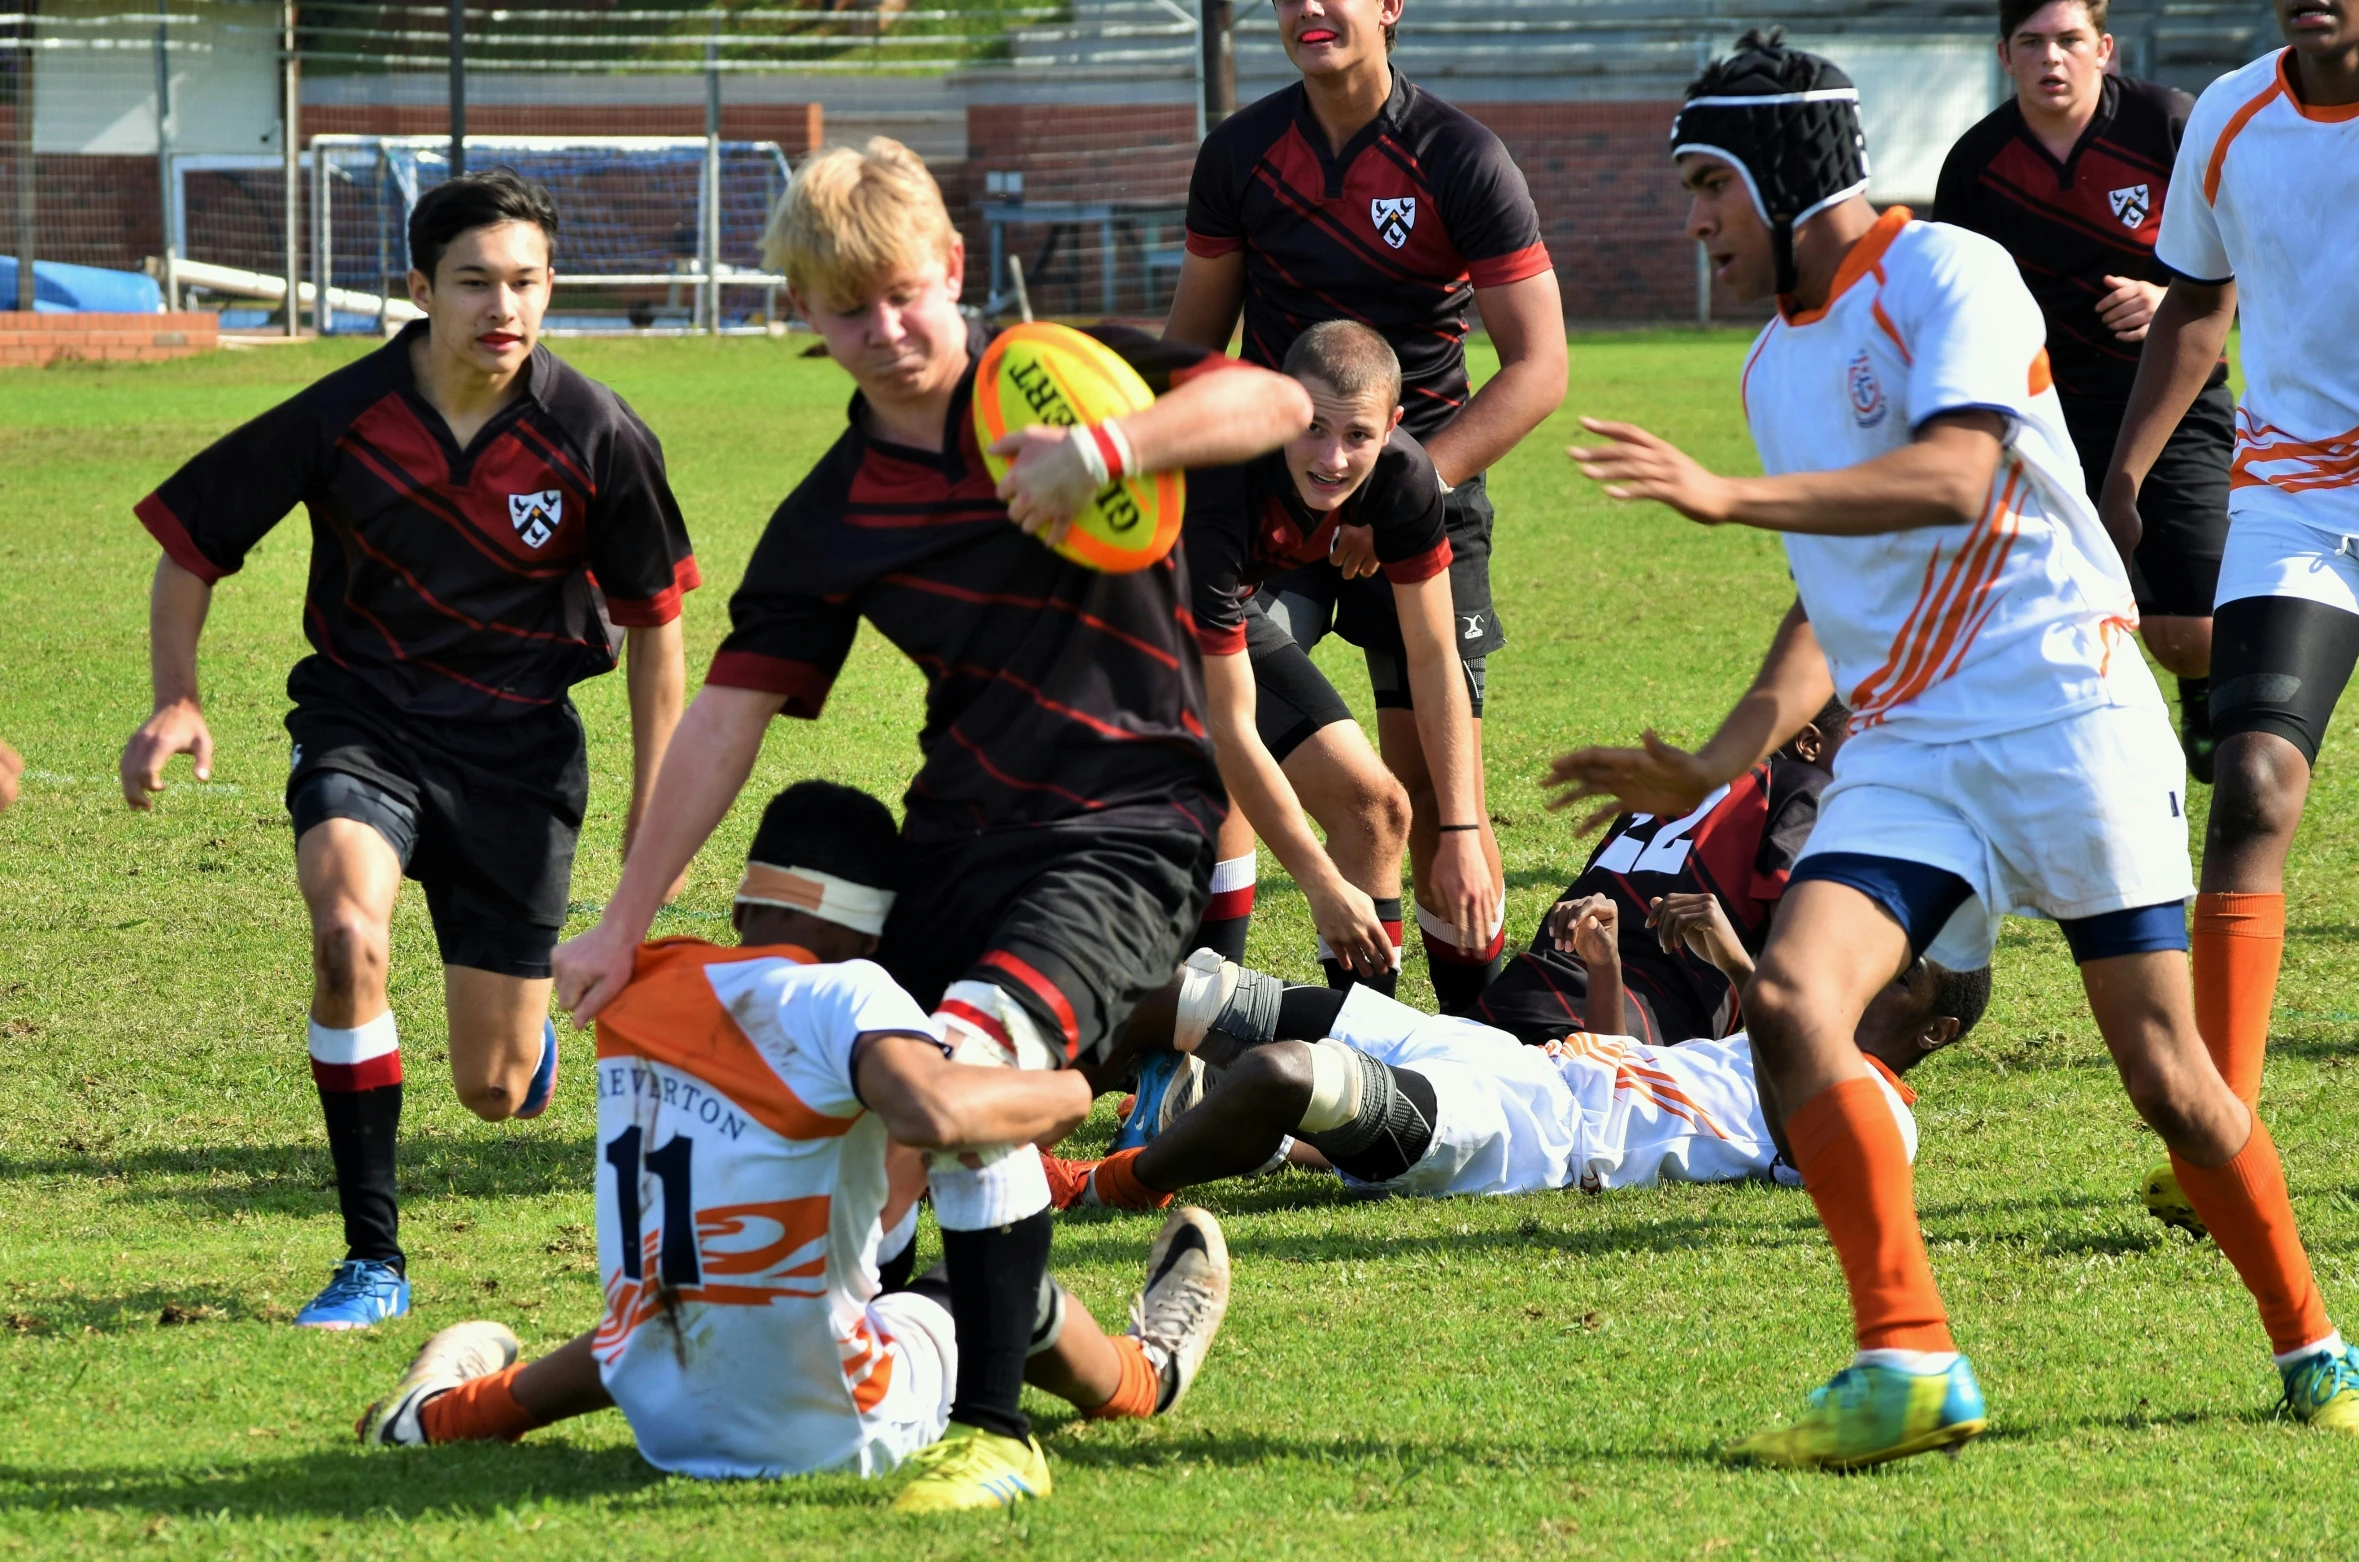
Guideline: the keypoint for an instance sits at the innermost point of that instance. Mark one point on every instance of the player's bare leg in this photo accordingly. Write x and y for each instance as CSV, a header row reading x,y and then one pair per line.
x,y
350,877
1459,976
1365,813
499,1039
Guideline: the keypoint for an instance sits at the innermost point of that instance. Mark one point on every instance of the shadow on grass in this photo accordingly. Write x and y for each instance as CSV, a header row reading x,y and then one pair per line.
x,y
300,1176
149,1307
1409,1456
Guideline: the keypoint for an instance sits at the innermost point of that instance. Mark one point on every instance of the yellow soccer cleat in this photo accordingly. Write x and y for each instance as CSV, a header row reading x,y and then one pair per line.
x,y
1866,1415
2323,1389
2167,1202
971,1468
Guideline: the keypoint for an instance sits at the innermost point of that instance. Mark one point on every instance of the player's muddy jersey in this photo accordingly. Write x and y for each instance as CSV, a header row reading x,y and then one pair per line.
x,y
1055,693
741,1186
2267,193
468,584
1250,523
1422,207
2072,224
1589,1111
2017,618
1738,846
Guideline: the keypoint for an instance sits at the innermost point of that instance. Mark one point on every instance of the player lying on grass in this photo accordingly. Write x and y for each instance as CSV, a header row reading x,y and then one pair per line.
x,y
757,1109
1733,850
2267,177
2012,753
1059,836
1286,740
1409,1103
488,528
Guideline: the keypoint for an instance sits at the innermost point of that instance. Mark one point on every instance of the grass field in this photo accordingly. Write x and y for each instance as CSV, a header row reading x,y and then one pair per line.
x,y
1539,1376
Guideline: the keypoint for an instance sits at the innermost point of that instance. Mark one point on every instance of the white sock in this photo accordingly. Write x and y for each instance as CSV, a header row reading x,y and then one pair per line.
x,y
1922,1363
1010,1185
2332,1345
358,1057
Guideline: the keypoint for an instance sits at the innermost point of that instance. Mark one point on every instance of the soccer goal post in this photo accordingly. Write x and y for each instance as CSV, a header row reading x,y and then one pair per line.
x,y
657,234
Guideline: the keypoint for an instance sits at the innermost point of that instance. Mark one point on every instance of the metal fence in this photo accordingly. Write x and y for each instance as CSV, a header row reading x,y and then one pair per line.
x,y
157,139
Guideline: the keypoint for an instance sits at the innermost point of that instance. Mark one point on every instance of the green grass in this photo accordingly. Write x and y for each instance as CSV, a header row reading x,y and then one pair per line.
x,y
1539,1376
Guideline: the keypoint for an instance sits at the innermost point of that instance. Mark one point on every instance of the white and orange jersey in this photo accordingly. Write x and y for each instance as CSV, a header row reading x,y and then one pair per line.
x,y
1943,633
1592,1112
741,1195
2266,193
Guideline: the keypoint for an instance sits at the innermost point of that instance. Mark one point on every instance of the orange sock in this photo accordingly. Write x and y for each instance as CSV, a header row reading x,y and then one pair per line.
x,y
480,1410
1854,1166
2245,1205
1142,1384
2239,941
1118,1186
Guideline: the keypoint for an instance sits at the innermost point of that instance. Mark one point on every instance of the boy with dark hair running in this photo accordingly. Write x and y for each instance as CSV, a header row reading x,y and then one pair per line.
x,y
757,1194
1058,838
2262,228
1357,195
2010,754
489,527
2073,175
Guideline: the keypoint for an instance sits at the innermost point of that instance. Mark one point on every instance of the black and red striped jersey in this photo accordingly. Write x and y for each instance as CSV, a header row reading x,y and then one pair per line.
x,y
1054,693
1738,845
1423,206
2071,224
1252,524
461,584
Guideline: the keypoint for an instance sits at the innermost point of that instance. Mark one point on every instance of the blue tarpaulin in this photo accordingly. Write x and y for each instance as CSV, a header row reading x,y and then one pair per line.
x,y
60,289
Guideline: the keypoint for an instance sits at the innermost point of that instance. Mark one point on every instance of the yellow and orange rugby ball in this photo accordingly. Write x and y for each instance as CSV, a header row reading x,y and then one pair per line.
x,y
1043,373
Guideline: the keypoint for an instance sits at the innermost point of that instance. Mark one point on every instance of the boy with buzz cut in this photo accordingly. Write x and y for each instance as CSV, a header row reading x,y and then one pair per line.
x,y
2263,221
757,1194
1058,837
2010,751
489,527
1287,742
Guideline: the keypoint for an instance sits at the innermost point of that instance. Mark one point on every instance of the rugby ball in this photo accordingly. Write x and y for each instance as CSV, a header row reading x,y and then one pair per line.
x,y
1043,373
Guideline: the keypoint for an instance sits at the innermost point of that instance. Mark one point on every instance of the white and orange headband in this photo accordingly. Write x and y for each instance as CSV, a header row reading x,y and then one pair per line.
x,y
860,907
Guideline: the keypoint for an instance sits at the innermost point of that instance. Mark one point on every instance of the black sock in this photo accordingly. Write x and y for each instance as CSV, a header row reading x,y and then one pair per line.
x,y
1224,936
1389,913
2195,726
1308,1013
1457,981
994,1296
362,1128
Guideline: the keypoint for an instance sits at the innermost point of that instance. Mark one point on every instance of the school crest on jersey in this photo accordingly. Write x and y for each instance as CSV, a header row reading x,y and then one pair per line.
x,y
1394,216
1867,394
2131,203
536,517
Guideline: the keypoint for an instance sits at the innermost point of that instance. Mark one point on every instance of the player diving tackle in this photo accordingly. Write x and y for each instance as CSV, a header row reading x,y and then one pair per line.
x,y
760,1115
2011,753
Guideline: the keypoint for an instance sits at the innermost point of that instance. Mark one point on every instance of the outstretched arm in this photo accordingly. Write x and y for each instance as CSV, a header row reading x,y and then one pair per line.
x,y
176,619
1344,915
1941,478
1462,884
2189,330
1214,419
704,768
930,1103
1792,687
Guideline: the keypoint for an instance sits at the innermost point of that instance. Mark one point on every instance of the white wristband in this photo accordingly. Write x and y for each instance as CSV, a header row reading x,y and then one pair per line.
x,y
1085,444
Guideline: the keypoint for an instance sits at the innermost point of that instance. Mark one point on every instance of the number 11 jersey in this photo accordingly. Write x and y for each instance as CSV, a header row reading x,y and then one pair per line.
x,y
741,1186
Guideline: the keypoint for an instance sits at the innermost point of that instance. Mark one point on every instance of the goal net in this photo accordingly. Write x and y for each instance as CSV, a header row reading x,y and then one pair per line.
x,y
637,216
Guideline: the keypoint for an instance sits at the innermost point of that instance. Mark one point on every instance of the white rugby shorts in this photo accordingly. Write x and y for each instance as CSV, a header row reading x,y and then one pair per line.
x,y
2273,555
915,1411
2081,816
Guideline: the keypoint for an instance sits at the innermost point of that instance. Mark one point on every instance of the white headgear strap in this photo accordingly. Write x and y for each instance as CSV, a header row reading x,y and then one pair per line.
x,y
860,907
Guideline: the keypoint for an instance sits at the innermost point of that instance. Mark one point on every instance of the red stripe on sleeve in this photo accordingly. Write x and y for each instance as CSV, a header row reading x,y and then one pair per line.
x,y
1212,248
1426,565
1220,639
1500,270
165,527
804,685
660,609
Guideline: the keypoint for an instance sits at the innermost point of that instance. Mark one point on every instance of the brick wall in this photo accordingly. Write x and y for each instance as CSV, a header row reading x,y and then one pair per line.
x,y
29,341
1075,152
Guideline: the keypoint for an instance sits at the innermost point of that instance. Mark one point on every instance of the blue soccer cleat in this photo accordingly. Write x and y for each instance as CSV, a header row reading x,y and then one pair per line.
x,y
2323,1389
543,1088
1169,1083
1866,1415
364,1293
